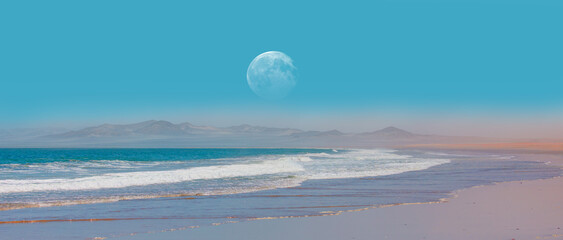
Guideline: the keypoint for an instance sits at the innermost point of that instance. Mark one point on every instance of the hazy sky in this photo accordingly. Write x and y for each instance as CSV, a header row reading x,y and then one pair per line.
x,y
460,67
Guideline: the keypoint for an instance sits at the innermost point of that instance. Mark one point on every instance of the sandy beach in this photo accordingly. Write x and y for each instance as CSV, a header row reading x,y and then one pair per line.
x,y
509,210
480,193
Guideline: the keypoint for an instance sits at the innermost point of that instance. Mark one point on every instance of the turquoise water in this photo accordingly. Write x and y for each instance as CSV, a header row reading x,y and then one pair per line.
x,y
151,190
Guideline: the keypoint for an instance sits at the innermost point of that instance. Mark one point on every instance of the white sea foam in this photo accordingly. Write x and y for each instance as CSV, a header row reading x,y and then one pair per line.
x,y
362,154
129,179
300,167
378,170
297,158
317,155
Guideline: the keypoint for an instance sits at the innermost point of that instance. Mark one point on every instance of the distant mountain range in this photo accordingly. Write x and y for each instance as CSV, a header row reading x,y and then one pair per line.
x,y
165,128
166,134
390,132
147,128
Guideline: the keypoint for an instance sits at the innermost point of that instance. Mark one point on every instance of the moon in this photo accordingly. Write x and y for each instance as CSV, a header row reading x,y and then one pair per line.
x,y
272,75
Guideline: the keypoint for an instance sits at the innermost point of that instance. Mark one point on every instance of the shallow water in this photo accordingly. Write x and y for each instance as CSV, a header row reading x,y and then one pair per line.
x,y
212,186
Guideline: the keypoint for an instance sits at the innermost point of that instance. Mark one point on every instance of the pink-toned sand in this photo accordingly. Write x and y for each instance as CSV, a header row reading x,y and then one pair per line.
x,y
510,210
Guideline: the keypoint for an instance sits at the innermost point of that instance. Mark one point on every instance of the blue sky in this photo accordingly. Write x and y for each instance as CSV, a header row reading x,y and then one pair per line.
x,y
87,62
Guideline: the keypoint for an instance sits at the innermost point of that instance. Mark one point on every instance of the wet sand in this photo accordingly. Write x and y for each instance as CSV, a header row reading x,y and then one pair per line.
x,y
509,210
540,147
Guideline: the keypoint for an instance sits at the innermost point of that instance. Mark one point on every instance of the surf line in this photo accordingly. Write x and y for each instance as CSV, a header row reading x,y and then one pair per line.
x,y
88,220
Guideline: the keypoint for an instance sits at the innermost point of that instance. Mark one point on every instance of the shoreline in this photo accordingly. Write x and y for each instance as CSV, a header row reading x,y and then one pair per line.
x,y
16,206
453,196
409,221
501,210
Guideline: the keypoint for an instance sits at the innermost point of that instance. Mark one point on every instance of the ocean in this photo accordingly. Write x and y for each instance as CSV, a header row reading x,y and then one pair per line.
x,y
87,192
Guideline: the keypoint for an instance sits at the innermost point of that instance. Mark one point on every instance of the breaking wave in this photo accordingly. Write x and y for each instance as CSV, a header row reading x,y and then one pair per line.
x,y
129,179
230,175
